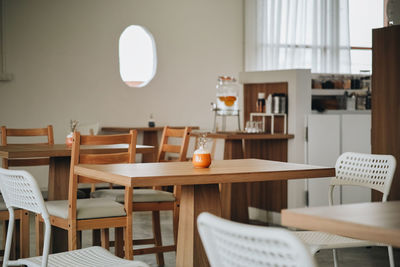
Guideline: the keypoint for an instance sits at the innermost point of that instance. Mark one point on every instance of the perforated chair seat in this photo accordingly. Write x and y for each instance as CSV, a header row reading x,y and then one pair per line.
x,y
87,208
319,240
139,195
92,256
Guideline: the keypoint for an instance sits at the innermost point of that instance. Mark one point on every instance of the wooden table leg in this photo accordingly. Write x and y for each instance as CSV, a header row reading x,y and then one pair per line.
x,y
58,190
59,178
234,196
194,200
150,138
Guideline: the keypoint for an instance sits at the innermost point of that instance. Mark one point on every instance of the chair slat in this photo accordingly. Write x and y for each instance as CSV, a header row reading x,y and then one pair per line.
x,y
173,132
122,157
105,139
27,132
171,148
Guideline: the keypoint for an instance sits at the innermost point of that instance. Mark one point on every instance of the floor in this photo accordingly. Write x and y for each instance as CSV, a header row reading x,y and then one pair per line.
x,y
366,257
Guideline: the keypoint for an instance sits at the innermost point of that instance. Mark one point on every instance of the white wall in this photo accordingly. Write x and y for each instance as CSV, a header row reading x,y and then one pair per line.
x,y
64,57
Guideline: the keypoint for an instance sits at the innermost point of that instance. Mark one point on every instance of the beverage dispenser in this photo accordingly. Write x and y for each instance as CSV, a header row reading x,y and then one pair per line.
x,y
227,103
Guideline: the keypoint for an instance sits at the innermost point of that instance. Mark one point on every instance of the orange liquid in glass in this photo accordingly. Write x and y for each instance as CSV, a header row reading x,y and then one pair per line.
x,y
201,160
228,100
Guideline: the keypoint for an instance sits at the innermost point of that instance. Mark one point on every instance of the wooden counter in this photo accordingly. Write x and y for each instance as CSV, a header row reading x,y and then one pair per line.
x,y
270,195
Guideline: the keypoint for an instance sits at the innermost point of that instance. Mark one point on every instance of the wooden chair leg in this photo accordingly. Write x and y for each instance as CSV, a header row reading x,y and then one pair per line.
x,y
119,242
5,224
24,234
175,222
96,241
105,238
157,236
79,239
39,236
72,238
128,247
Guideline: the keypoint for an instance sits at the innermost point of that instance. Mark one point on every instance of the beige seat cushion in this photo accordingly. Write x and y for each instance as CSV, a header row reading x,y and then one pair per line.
x,y
87,208
139,195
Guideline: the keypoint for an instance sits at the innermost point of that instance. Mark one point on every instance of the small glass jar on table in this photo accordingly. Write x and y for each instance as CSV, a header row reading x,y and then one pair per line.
x,y
202,156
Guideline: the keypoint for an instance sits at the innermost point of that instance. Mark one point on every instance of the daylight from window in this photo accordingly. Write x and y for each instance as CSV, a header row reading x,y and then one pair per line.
x,y
364,15
137,56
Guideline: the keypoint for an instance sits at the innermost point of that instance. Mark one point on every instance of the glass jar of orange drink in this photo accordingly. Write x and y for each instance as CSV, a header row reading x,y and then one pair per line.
x,y
227,96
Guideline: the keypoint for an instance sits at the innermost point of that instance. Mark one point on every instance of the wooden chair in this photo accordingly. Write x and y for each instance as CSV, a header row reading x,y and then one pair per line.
x,y
155,199
76,215
22,235
37,132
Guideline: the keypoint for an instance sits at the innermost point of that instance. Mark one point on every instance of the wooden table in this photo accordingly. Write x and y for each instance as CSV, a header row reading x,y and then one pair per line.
x,y
59,167
376,221
150,137
269,195
200,189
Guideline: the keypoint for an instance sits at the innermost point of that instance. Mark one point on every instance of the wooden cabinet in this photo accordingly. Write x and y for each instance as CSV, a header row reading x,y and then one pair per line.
x,y
274,196
386,99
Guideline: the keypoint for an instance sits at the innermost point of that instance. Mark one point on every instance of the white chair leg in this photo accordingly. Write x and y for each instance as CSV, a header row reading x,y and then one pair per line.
x,y
391,258
335,258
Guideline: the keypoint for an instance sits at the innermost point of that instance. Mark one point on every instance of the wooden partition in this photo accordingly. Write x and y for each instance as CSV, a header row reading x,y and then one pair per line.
x,y
271,196
385,135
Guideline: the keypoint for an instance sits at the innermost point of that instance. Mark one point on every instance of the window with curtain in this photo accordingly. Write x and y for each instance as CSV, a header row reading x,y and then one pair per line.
x,y
287,34
364,15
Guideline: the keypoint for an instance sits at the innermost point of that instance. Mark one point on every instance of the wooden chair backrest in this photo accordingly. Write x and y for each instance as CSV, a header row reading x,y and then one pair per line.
x,y
32,132
181,149
104,158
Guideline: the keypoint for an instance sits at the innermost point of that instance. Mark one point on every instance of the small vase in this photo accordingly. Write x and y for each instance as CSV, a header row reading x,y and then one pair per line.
x,y
69,139
201,158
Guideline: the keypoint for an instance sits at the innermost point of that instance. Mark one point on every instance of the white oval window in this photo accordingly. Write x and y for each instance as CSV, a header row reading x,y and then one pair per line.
x,y
137,56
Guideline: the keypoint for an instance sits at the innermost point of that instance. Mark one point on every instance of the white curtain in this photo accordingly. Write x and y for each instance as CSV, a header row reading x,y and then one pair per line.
x,y
290,34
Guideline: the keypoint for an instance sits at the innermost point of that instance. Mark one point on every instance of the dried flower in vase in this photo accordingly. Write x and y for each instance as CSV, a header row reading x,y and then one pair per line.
x,y
202,140
74,125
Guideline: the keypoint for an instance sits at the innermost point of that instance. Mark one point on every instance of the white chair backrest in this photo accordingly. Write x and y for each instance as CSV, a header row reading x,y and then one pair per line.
x,y
20,190
367,170
229,243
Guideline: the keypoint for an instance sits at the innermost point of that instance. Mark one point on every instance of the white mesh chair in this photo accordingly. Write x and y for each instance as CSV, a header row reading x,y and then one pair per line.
x,y
20,190
354,169
229,244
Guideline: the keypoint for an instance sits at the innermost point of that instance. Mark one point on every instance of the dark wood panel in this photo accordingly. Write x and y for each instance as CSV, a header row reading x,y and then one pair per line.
x,y
266,195
385,135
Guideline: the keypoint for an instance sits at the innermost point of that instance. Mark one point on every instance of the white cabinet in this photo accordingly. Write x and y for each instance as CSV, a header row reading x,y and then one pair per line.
x,y
323,149
328,137
356,137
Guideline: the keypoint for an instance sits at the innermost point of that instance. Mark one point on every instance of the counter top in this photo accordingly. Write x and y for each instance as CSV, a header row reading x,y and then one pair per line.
x,y
243,135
